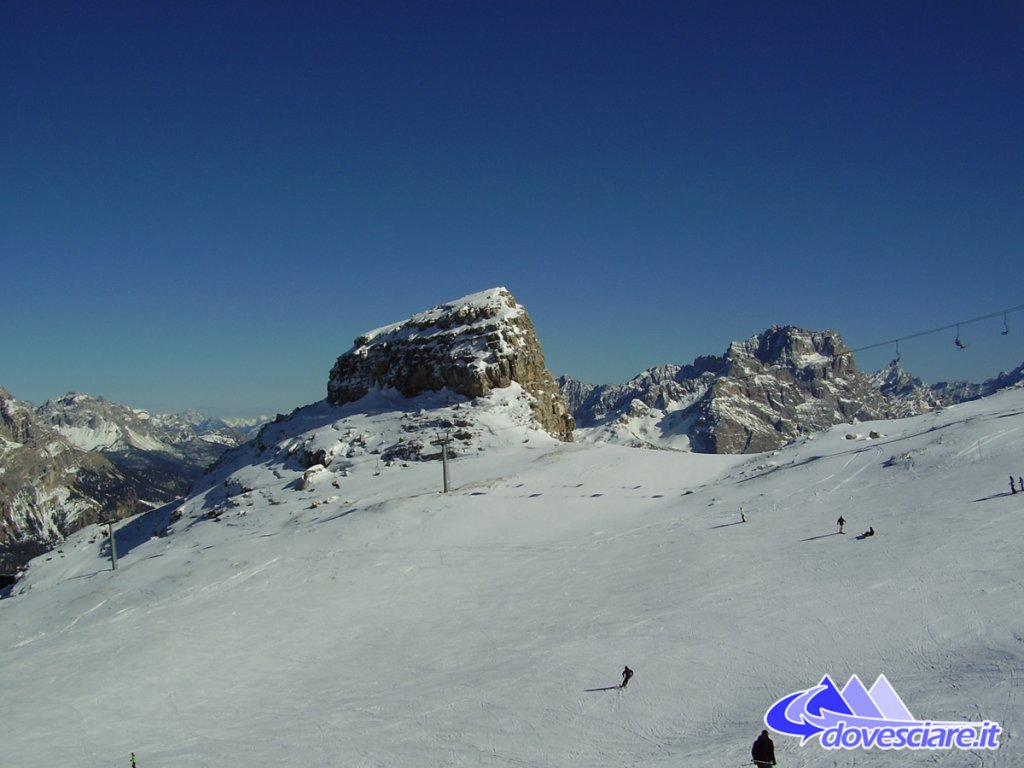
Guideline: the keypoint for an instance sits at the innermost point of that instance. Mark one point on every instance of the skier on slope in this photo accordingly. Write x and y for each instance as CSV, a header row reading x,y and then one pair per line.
x,y
841,522
626,674
763,751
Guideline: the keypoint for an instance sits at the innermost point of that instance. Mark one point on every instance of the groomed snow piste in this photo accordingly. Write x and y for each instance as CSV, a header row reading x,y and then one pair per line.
x,y
359,617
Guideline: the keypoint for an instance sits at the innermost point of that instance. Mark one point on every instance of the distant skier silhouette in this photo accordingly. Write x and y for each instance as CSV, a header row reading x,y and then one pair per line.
x,y
841,522
626,674
1013,488
763,751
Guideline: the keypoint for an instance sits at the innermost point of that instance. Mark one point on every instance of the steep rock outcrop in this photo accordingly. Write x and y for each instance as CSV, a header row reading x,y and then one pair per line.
x,y
473,345
763,393
780,384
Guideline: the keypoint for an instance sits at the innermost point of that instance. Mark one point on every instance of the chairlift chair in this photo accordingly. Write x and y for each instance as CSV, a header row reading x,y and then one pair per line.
x,y
959,344
896,360
1006,327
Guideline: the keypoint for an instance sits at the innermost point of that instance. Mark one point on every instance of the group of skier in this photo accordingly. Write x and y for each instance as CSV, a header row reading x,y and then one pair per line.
x,y
1015,488
842,521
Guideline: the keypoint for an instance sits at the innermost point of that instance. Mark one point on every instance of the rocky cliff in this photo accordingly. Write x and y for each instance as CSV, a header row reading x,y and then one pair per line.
x,y
761,394
79,459
162,455
664,387
48,487
471,346
778,385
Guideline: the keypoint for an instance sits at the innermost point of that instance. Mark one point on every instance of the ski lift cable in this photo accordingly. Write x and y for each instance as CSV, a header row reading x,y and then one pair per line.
x,y
898,339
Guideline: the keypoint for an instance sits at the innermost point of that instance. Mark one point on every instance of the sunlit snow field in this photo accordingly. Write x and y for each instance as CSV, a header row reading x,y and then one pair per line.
x,y
363,618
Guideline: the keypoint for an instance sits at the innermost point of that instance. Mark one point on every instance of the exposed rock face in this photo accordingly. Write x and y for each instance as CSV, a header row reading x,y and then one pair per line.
x,y
778,385
763,393
49,488
161,454
78,460
961,391
906,395
476,344
665,388
95,423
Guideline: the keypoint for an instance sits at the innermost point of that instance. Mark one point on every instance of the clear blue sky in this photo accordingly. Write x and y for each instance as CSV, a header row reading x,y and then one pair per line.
x,y
202,204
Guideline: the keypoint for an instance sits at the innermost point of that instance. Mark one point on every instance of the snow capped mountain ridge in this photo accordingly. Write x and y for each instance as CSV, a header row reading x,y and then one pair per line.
x,y
94,423
471,346
478,311
48,486
78,459
765,392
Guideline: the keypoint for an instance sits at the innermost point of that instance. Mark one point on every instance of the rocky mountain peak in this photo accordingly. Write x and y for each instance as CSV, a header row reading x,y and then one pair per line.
x,y
471,346
906,394
16,418
48,487
793,348
780,384
763,393
79,459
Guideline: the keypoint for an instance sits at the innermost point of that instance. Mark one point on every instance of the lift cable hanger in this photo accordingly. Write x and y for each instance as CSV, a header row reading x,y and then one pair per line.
x,y
959,343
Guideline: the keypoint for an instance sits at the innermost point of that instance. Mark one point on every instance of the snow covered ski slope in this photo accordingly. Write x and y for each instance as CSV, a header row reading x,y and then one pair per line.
x,y
356,616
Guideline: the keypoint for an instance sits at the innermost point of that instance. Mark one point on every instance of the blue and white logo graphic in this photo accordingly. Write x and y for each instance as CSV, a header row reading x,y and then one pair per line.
x,y
858,718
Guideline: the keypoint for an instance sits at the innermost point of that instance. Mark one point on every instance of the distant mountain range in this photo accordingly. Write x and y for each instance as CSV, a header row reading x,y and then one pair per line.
x,y
760,395
78,459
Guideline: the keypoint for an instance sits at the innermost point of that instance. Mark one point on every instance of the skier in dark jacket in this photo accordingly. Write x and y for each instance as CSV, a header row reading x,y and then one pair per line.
x,y
763,750
626,674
